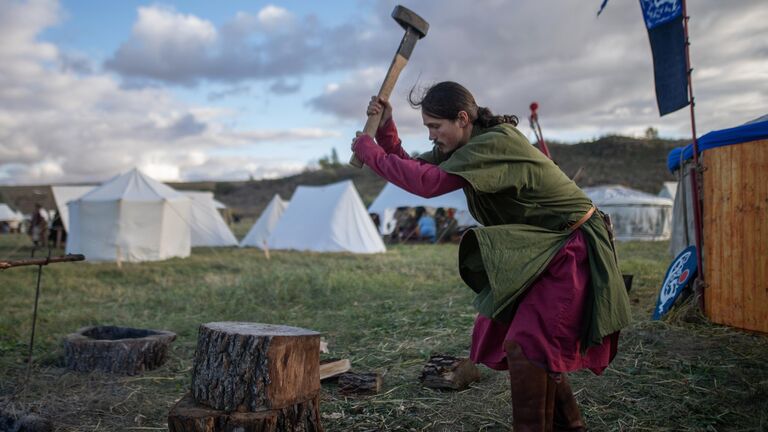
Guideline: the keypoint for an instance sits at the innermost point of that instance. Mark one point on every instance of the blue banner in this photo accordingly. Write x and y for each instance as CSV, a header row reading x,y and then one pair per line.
x,y
664,20
657,12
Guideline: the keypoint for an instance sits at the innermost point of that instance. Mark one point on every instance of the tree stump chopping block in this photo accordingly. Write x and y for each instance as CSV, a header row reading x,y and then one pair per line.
x,y
190,416
247,367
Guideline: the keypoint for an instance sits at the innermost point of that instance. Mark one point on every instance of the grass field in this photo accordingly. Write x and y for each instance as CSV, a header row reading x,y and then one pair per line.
x,y
387,313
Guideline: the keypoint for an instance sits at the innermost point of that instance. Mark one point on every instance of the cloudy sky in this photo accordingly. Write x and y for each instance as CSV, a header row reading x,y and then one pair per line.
x,y
196,89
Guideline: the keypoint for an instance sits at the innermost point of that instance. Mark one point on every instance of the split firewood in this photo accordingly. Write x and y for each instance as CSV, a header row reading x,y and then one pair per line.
x,y
359,383
333,367
447,372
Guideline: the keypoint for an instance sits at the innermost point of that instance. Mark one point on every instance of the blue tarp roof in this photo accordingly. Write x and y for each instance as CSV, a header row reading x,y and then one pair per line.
x,y
739,134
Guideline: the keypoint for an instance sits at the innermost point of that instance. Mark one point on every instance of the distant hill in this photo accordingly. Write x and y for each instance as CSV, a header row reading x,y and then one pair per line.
x,y
637,163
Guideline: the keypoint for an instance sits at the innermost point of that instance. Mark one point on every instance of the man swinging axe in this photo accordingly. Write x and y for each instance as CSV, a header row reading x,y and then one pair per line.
x,y
415,28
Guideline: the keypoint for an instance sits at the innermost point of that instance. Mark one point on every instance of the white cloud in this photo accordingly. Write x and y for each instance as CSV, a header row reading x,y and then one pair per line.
x,y
271,44
63,120
58,126
163,42
272,17
591,76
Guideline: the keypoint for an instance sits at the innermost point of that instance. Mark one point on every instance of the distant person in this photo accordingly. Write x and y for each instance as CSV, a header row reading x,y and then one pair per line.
x,y
427,228
406,224
550,296
38,227
376,220
446,224
57,235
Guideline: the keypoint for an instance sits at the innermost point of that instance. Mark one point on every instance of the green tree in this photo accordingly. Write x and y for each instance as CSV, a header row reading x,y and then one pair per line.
x,y
651,133
329,162
334,157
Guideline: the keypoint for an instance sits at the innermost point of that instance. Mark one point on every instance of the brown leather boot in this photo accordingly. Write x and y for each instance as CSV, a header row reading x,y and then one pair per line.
x,y
567,415
532,393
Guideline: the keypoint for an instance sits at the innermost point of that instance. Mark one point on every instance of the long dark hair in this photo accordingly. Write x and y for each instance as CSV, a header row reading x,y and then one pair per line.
x,y
444,101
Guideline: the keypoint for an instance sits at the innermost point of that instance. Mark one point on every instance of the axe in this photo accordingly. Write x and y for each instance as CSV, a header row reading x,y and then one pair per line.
x,y
415,28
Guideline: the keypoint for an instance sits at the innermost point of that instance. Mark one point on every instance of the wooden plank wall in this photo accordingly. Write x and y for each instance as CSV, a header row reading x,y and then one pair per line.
x,y
735,235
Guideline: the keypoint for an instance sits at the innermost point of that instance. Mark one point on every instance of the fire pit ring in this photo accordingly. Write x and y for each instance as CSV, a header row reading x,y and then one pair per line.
x,y
118,350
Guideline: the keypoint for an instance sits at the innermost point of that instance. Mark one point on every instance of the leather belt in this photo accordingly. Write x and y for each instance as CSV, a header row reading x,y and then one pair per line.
x,y
583,219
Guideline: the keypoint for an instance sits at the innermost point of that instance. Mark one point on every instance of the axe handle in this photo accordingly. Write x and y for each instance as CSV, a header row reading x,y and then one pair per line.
x,y
372,124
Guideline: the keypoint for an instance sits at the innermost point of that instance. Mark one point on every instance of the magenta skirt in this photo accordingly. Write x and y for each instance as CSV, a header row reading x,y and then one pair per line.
x,y
547,324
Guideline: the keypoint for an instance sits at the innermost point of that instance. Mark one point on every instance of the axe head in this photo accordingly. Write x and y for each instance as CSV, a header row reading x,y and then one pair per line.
x,y
408,20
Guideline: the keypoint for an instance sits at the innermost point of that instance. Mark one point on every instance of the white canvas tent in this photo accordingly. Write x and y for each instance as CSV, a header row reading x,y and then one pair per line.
x,y
328,218
668,190
206,225
8,215
259,233
392,197
635,215
130,218
64,194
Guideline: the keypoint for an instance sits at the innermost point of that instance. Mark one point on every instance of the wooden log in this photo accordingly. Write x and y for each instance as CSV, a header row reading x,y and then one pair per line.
x,y
448,372
246,367
119,350
359,383
190,416
333,367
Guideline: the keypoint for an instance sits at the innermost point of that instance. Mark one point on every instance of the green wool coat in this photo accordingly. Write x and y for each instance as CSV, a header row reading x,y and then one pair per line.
x,y
527,204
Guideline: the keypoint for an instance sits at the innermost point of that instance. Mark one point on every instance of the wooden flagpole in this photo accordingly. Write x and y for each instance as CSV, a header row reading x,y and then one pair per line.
x,y
695,170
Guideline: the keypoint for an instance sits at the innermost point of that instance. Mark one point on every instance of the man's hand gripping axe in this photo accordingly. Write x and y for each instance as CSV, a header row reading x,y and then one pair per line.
x,y
415,28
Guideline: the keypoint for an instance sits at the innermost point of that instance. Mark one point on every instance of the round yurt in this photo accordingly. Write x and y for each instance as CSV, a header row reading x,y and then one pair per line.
x,y
635,215
130,218
734,198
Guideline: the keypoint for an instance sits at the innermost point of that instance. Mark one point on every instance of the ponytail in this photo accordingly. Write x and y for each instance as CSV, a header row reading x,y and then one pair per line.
x,y
486,119
446,99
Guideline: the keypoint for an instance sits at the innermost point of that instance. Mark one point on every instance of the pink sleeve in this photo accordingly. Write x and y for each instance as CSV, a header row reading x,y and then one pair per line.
x,y
415,176
386,137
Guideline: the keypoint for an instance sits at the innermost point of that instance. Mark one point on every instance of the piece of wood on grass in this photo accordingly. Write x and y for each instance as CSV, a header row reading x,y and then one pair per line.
x,y
449,373
190,416
333,367
359,383
246,367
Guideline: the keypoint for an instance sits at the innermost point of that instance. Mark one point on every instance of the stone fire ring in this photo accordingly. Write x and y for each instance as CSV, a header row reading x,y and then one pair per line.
x,y
118,350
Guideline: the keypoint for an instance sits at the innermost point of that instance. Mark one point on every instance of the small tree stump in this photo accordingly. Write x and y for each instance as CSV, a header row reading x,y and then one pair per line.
x,y
248,367
190,416
447,372
359,383
120,350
